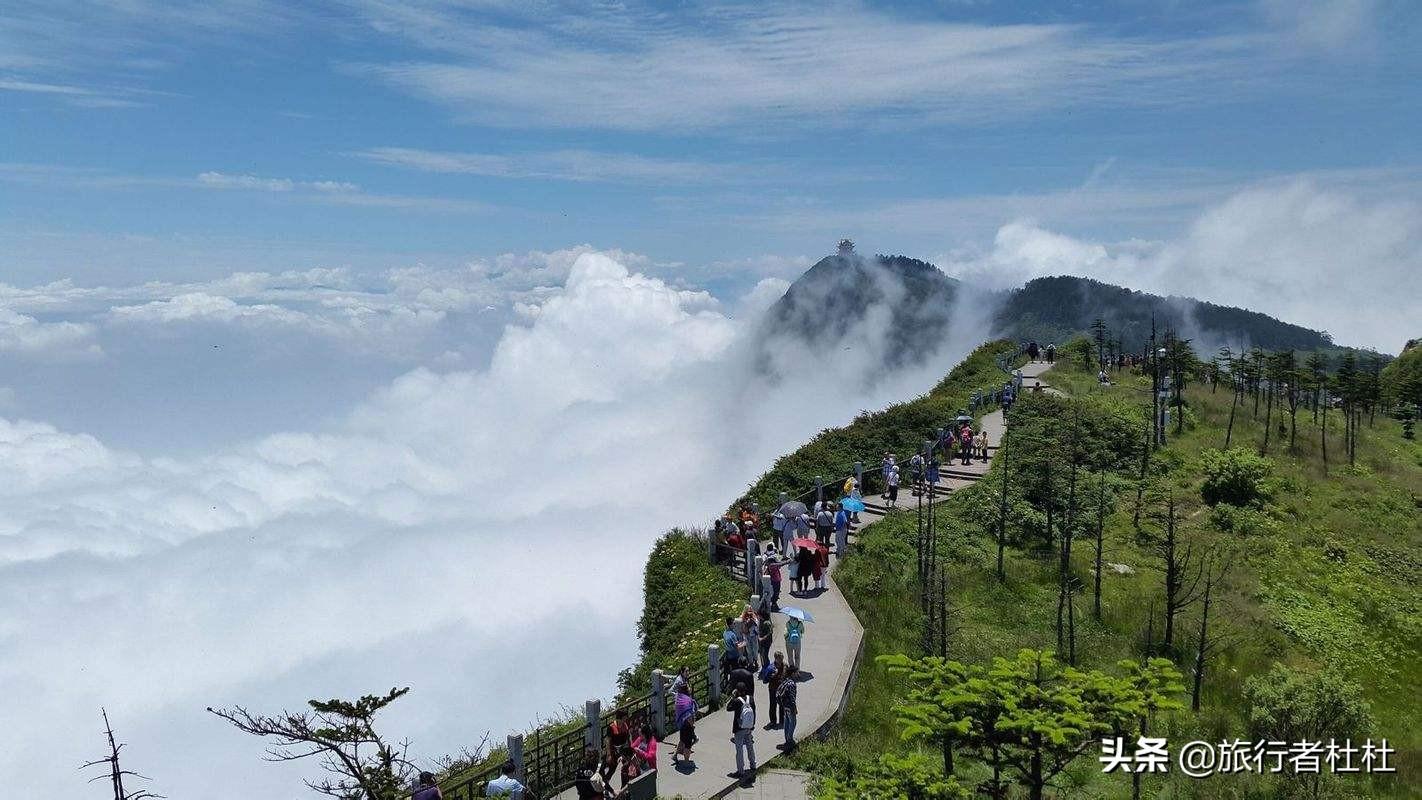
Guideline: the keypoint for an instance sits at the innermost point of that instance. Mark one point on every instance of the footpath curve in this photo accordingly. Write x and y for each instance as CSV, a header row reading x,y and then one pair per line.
x,y
830,655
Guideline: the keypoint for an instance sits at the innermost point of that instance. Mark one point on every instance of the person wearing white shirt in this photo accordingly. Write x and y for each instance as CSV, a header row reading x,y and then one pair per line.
x,y
506,785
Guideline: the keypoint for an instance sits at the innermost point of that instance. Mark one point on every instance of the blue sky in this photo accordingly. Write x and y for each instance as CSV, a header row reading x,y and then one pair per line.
x,y
157,140
300,301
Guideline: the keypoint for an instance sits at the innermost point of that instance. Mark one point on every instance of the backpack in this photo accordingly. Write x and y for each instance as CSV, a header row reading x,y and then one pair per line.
x,y
747,716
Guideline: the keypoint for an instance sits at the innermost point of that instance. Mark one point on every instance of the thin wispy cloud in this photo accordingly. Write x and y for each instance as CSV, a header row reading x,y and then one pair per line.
x,y
321,190
563,165
638,70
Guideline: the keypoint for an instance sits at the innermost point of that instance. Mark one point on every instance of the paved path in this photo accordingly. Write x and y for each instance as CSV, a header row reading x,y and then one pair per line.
x,y
829,655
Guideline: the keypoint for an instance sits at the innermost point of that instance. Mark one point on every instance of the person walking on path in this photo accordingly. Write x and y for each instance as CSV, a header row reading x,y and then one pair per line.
x,y
804,568
608,769
742,708
427,789
1033,351
778,524
824,524
785,696
851,489
748,627
506,785
821,567
772,567
916,473
886,466
685,723
586,780
731,647
794,636
893,482
1051,354
841,532
983,444
776,672
965,444
644,747
765,636
933,469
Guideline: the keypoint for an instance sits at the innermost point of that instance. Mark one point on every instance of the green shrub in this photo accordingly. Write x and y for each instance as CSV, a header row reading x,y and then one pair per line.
x,y
1242,521
1235,476
685,601
1286,704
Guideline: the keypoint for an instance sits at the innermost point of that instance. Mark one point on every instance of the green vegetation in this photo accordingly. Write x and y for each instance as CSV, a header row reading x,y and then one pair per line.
x,y
1297,595
686,599
1056,309
1235,476
1031,716
900,428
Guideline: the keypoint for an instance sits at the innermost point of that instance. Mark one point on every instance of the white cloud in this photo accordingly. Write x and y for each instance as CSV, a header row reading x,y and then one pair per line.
x,y
1306,253
1333,26
24,335
504,509
566,165
219,180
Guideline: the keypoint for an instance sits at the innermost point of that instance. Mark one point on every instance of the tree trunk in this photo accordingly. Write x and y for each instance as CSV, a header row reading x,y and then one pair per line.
x,y
1268,414
1229,431
1200,648
1002,512
1323,439
1173,578
1293,426
1100,534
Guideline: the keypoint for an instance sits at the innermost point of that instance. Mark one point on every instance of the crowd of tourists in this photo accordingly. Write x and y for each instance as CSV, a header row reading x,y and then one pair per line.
x,y
797,546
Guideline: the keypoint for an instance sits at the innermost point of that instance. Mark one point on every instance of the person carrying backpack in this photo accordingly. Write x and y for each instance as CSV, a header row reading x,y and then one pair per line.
x,y
794,634
742,708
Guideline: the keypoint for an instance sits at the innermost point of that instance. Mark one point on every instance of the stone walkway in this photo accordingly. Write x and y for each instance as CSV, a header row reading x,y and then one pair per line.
x,y
829,657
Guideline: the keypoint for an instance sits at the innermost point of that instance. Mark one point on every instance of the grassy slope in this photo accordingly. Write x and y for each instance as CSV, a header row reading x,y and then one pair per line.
x,y
1331,579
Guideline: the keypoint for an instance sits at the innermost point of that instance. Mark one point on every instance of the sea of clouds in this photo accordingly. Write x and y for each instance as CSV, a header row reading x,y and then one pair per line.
x,y
468,515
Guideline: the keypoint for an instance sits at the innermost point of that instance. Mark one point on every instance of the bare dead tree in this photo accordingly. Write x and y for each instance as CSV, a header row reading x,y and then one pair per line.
x,y
341,735
1182,570
116,773
1100,536
1003,453
1207,643
1064,579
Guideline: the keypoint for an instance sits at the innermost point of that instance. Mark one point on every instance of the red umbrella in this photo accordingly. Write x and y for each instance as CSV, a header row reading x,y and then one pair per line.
x,y
804,542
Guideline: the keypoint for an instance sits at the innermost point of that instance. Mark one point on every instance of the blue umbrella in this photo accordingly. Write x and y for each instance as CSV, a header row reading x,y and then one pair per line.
x,y
851,504
798,613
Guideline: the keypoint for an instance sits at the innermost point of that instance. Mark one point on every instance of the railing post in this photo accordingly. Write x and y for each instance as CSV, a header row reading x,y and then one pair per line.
x,y
659,703
819,489
713,675
711,544
515,747
753,635
752,547
767,588
859,475
592,713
